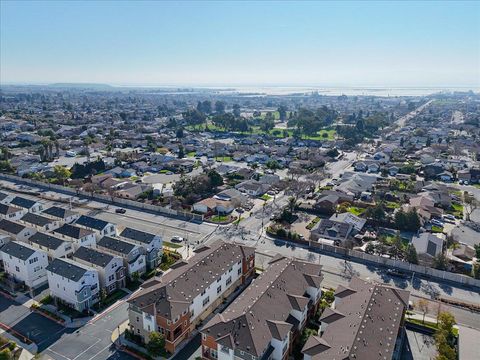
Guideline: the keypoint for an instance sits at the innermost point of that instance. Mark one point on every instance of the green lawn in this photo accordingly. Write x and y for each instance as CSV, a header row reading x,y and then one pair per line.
x,y
265,197
392,205
437,229
312,223
223,158
219,218
456,210
171,245
477,186
356,210
191,154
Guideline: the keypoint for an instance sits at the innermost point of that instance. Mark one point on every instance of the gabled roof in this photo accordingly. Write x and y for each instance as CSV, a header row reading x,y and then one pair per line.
x,y
22,202
9,209
175,290
117,245
35,219
67,268
137,235
91,222
93,256
59,212
264,310
11,227
46,240
73,231
17,250
315,345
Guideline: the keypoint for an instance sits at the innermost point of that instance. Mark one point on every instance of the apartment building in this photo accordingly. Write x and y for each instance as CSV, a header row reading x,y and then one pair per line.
x,y
365,322
192,290
264,321
15,230
73,284
100,227
25,264
150,242
53,246
10,212
111,272
79,236
133,255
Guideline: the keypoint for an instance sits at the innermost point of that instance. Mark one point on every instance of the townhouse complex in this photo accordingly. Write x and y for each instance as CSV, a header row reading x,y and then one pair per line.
x,y
191,291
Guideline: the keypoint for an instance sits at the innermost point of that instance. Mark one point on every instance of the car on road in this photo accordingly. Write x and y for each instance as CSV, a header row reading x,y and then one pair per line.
x,y
120,211
436,222
239,210
398,273
177,239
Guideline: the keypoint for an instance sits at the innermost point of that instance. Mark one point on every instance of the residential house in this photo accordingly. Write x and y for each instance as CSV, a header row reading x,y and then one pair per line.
x,y
329,200
10,212
39,222
100,227
111,272
73,284
132,191
232,195
53,246
268,317
175,303
77,235
151,243
252,187
366,322
15,230
331,230
65,215
357,222
428,246
25,264
133,255
213,205
30,205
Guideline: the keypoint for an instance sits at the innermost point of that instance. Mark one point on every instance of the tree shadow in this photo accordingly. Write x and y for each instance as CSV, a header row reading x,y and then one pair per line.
x,y
446,288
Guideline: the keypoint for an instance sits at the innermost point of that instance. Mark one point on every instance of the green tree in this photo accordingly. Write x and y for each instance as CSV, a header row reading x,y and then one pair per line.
x,y
411,254
236,110
215,178
181,152
219,107
6,354
156,344
61,173
445,337
440,262
282,111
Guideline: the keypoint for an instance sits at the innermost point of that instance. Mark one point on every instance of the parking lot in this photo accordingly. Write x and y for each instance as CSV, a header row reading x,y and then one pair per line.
x,y
31,325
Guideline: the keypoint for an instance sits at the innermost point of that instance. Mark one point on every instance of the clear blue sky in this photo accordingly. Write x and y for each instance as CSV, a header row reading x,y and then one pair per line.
x,y
232,43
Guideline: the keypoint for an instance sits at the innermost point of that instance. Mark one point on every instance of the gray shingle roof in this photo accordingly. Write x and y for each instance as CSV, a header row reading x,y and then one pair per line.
x,y
17,250
92,256
36,219
59,212
91,222
8,209
66,269
117,245
46,240
11,227
137,235
22,202
73,231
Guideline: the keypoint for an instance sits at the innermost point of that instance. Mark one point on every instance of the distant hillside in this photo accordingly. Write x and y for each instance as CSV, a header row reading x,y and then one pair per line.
x,y
82,86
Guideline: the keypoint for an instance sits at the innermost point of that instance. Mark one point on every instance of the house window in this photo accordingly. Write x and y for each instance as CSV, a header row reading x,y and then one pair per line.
x,y
219,289
229,280
213,353
239,271
17,269
203,292
206,300
138,319
204,337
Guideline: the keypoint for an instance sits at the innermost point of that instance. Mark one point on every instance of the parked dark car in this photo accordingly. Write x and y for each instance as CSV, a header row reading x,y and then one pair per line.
x,y
120,211
398,273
